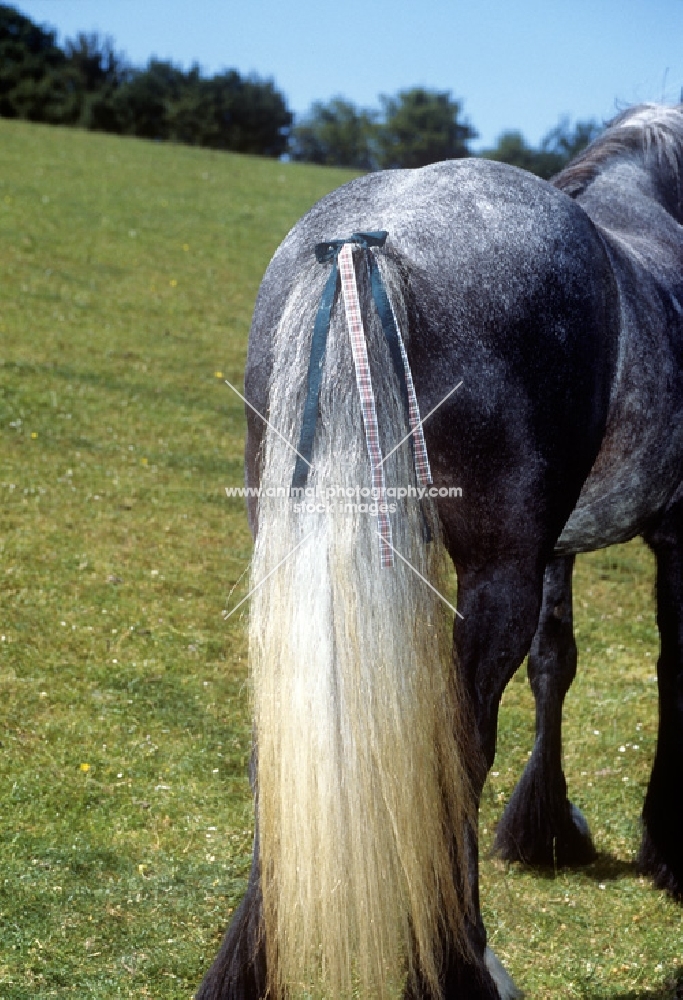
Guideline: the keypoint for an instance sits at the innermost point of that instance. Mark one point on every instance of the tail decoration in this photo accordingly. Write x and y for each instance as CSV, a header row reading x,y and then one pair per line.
x,y
341,254
362,791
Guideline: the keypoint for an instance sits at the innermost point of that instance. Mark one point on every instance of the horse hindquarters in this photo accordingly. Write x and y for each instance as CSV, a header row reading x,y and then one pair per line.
x,y
366,819
661,852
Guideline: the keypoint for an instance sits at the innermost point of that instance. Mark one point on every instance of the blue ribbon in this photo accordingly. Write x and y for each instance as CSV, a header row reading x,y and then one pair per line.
x,y
325,253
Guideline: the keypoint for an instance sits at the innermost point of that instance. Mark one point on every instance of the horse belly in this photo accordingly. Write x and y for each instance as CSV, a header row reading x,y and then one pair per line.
x,y
610,519
627,488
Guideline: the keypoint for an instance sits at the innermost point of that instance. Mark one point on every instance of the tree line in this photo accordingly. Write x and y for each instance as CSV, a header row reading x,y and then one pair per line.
x,y
89,85
418,127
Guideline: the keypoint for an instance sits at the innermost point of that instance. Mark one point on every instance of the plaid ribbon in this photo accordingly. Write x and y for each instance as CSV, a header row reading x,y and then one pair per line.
x,y
423,473
340,253
354,322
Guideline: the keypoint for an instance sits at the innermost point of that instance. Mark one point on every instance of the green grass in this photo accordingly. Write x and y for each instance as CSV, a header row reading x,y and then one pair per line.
x,y
128,271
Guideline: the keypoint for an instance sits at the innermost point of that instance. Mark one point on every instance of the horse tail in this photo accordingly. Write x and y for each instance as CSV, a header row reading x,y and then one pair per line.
x,y
363,797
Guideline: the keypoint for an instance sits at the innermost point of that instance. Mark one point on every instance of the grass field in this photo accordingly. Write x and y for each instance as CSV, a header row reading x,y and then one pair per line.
x,y
128,272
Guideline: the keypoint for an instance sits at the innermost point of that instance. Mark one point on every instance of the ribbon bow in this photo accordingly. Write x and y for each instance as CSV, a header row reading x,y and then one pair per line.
x,y
325,252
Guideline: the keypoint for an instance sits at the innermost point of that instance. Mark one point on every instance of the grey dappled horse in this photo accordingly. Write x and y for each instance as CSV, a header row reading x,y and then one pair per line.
x,y
560,307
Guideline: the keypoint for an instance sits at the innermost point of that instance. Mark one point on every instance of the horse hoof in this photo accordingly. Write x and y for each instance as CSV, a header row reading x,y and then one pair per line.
x,y
543,833
579,821
650,862
504,983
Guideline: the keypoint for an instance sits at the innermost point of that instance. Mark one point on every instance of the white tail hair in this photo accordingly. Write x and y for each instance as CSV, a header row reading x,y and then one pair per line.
x,y
362,791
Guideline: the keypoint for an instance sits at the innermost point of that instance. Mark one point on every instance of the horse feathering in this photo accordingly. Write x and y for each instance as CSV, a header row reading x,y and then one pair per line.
x,y
362,797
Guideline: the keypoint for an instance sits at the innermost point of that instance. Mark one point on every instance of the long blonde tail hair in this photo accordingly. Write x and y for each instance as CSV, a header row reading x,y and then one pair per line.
x,y
362,791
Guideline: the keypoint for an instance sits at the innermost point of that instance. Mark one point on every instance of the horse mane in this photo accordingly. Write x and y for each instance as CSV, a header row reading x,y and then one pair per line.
x,y
648,130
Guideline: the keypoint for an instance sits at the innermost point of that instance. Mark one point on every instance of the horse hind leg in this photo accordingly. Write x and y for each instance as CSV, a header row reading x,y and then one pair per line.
x,y
500,605
540,826
239,971
661,852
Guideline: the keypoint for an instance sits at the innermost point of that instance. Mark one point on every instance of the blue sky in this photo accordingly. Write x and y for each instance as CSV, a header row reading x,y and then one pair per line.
x,y
513,63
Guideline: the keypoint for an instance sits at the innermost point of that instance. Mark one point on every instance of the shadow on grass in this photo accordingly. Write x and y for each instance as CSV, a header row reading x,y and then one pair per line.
x,y
672,991
607,868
